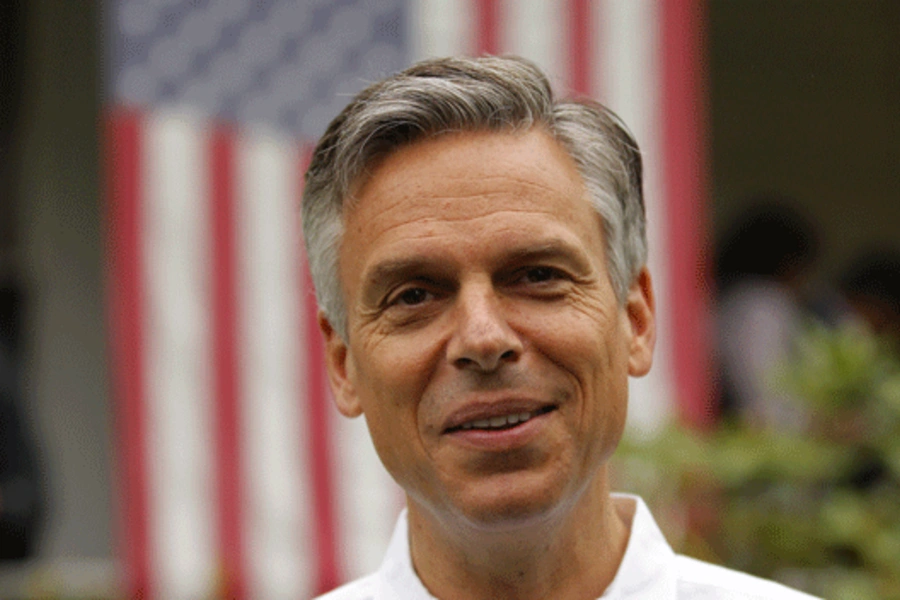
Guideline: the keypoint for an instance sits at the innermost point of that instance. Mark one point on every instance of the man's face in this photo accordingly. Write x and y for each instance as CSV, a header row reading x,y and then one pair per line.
x,y
486,346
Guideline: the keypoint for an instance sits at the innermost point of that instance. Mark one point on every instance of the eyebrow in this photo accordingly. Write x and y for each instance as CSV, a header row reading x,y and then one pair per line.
x,y
391,270
397,268
548,249
384,274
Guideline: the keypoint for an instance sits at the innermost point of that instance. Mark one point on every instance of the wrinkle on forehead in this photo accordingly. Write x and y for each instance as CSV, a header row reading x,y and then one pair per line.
x,y
410,239
465,187
440,151
403,195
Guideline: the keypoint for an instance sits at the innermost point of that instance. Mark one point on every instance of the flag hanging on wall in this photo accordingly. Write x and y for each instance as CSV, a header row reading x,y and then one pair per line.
x,y
237,479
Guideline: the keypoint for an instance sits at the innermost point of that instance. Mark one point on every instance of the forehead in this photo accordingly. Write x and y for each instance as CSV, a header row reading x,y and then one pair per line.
x,y
469,172
461,192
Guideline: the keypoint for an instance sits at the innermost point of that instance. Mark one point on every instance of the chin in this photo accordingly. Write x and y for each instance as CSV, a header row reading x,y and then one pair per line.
x,y
510,505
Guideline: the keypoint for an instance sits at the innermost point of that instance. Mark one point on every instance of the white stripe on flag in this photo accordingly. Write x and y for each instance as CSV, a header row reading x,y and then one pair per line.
x,y
440,28
369,499
178,402
536,29
276,524
629,51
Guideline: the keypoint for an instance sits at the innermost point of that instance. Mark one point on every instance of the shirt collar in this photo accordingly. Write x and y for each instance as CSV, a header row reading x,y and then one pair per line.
x,y
396,576
647,569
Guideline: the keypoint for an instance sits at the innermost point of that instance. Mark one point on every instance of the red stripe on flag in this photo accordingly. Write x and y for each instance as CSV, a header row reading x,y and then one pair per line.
x,y
684,107
327,572
580,48
225,365
487,27
126,311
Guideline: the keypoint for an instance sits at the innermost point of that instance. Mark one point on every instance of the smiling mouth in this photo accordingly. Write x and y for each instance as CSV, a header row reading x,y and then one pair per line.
x,y
501,422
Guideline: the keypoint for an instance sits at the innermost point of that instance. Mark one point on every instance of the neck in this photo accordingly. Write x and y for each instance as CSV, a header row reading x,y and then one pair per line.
x,y
570,556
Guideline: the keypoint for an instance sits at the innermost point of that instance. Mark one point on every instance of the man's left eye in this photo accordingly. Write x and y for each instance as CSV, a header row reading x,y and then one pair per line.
x,y
540,274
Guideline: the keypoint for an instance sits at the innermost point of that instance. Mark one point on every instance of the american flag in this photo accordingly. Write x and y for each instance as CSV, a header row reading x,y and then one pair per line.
x,y
237,479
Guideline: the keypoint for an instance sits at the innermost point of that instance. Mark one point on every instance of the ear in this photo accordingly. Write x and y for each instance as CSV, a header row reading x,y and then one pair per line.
x,y
340,370
640,307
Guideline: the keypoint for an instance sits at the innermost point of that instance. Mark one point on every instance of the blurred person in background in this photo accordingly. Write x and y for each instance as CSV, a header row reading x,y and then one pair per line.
x,y
871,289
764,263
868,295
20,479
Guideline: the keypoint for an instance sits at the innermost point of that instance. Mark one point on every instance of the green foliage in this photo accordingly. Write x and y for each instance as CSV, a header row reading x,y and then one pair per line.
x,y
819,510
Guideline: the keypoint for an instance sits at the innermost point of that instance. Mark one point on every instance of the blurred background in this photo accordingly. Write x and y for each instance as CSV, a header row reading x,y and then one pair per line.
x,y
166,431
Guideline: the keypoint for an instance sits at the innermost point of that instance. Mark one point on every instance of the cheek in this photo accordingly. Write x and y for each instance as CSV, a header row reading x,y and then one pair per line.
x,y
585,339
390,382
599,366
394,373
612,402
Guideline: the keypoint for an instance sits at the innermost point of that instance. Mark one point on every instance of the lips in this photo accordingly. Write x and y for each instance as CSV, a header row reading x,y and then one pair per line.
x,y
494,416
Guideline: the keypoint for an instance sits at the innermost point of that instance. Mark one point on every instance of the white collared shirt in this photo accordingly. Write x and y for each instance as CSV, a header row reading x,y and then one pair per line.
x,y
650,570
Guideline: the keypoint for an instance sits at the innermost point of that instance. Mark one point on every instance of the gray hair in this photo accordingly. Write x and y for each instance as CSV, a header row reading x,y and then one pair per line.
x,y
447,95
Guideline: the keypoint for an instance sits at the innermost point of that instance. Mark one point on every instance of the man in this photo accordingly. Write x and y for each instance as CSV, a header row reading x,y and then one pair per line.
x,y
478,252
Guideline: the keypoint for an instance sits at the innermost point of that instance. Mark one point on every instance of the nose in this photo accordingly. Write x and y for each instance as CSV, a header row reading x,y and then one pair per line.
x,y
483,339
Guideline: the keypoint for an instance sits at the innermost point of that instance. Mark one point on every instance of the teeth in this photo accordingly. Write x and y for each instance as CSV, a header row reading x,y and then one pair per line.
x,y
497,422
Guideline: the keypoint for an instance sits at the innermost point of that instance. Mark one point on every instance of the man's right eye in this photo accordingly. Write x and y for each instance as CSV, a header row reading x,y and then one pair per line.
x,y
411,296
